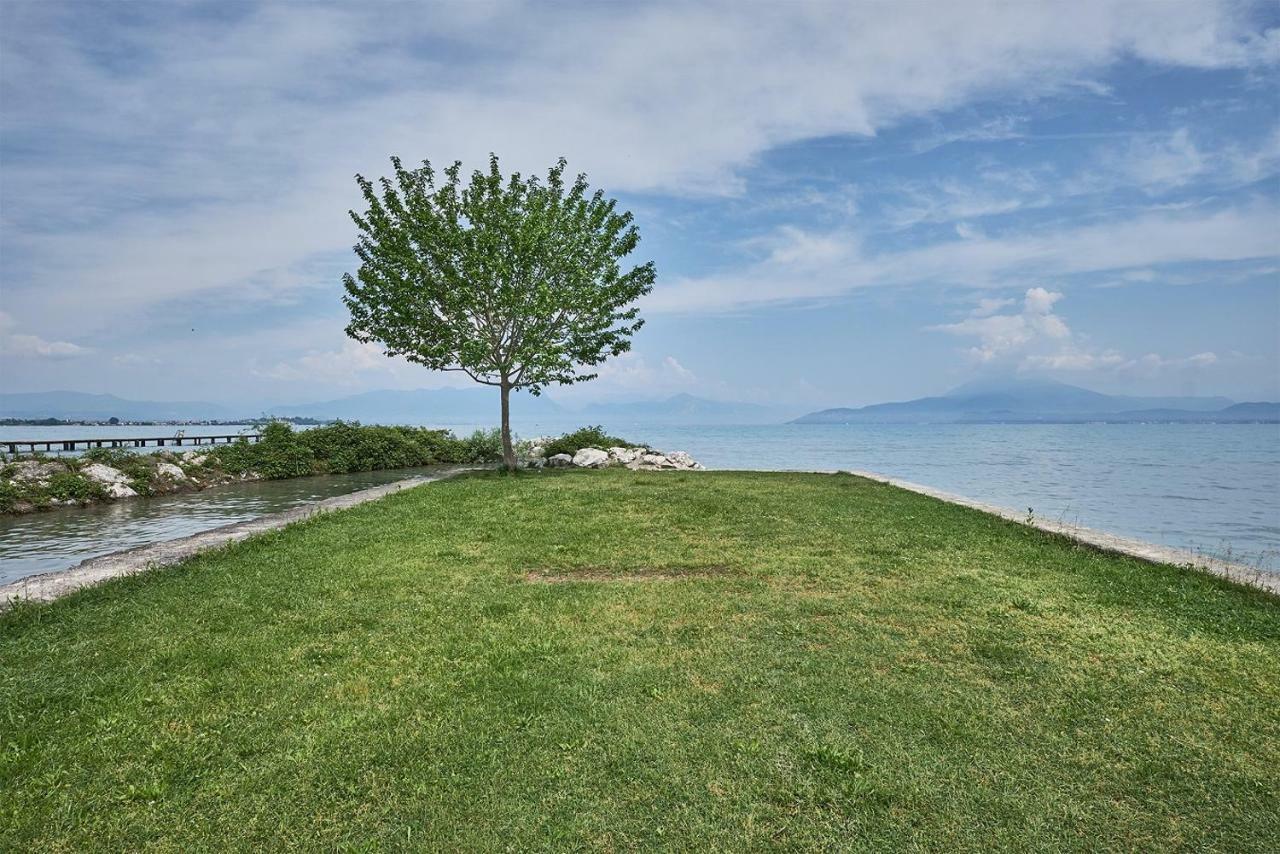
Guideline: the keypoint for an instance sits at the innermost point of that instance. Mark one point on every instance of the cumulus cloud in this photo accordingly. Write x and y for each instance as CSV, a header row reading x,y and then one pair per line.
x,y
1037,339
1001,334
22,344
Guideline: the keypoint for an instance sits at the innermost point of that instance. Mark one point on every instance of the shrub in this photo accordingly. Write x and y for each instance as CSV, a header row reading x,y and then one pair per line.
x,y
9,496
482,446
586,437
280,453
348,447
69,486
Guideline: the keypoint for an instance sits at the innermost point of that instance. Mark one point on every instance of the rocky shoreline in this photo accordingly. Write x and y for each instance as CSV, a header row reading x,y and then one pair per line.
x,y
41,484
31,485
639,458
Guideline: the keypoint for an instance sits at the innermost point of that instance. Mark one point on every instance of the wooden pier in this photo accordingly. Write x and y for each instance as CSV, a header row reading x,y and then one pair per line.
x,y
60,445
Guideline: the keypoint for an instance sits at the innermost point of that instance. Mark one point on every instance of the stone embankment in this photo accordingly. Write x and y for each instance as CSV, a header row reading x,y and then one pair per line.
x,y
636,459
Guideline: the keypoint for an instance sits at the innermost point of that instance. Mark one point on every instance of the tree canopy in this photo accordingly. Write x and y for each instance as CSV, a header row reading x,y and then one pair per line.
x,y
516,282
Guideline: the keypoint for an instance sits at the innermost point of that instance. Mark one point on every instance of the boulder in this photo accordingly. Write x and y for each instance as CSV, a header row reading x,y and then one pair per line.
x,y
682,460
535,463
624,455
120,490
591,458
196,458
35,470
170,471
560,461
105,475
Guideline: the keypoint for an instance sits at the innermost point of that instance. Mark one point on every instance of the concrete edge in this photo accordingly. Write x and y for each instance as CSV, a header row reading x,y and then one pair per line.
x,y
47,586
1149,552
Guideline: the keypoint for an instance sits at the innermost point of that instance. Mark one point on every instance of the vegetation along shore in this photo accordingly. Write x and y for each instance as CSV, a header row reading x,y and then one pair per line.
x,y
38,482
616,659
102,474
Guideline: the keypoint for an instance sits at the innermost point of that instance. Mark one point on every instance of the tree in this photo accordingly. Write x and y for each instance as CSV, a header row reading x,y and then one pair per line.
x,y
514,282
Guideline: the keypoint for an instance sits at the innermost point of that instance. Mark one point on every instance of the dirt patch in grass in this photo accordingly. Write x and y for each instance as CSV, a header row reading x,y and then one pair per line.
x,y
632,574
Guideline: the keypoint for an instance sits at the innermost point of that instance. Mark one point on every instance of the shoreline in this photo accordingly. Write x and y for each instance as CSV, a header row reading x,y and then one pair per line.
x,y
1112,543
47,586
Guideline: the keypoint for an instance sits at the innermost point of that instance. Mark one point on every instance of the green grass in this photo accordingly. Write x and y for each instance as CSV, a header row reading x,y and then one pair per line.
x,y
620,660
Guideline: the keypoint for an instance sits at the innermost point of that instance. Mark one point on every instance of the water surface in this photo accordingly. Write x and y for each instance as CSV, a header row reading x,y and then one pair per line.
x,y
1212,488
57,539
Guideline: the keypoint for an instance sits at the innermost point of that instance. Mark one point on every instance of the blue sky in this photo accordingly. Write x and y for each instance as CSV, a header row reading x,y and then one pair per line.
x,y
847,203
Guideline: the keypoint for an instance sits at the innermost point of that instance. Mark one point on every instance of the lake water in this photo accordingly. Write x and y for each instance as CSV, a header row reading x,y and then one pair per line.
x,y
57,539
1213,488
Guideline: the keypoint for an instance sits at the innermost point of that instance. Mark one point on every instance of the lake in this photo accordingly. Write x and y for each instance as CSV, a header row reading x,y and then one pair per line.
x,y
1213,488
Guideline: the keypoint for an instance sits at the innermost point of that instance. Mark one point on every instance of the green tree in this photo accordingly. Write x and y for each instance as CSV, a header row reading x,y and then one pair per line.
x,y
515,282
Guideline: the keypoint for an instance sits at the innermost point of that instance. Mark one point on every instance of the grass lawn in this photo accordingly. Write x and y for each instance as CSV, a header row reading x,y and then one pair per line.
x,y
619,660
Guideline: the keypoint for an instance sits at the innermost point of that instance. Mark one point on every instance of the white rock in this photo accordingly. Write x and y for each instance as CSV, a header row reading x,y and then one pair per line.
x,y
170,471
560,460
196,458
537,452
535,463
624,455
35,470
119,490
591,458
106,475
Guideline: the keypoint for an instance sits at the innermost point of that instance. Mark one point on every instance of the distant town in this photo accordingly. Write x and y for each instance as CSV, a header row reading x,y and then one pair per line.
x,y
122,422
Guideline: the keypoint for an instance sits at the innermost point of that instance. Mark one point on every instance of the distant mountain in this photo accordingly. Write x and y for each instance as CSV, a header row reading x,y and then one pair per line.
x,y
686,409
75,405
1037,400
424,406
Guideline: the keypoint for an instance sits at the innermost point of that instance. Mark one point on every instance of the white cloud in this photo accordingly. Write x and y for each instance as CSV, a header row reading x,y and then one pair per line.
x,y
22,344
802,265
344,366
633,375
1001,334
239,134
1037,339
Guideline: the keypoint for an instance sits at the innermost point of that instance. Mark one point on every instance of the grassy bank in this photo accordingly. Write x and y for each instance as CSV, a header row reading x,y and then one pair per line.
x,y
619,660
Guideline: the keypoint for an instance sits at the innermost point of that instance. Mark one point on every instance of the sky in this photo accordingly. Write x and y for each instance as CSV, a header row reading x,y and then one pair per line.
x,y
847,203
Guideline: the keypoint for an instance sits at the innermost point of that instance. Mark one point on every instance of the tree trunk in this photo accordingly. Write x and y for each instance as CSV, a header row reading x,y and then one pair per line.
x,y
508,452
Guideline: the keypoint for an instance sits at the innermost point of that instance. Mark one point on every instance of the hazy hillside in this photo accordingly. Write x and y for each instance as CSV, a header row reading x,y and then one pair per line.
x,y
424,406
688,409
75,405
1036,400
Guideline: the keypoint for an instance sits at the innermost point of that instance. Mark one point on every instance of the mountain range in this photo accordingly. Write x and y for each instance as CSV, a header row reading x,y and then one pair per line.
x,y
419,406
80,406
1014,401
1005,401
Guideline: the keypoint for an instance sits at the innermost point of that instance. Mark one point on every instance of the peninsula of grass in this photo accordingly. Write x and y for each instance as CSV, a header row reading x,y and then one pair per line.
x,y
617,660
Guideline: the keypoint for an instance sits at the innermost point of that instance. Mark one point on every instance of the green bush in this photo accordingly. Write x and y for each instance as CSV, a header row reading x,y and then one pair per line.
x,y
350,447
587,437
482,446
69,486
9,496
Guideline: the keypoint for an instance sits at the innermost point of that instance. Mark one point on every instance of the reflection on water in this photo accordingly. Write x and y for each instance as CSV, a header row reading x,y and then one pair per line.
x,y
57,539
